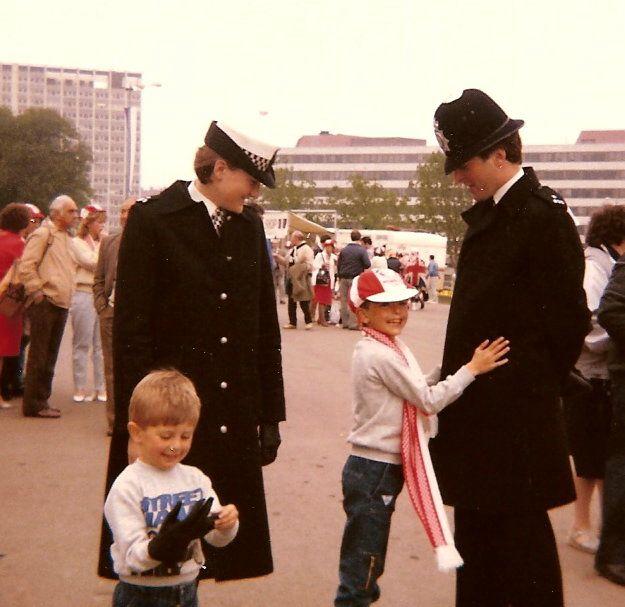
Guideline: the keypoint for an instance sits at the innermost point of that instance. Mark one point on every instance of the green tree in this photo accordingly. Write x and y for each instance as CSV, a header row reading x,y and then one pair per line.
x,y
440,203
41,156
289,193
366,205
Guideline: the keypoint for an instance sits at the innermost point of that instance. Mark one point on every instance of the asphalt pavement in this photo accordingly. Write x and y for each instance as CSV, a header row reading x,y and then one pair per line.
x,y
51,496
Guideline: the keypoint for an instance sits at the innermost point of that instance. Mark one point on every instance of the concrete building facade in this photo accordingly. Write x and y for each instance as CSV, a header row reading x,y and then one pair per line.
x,y
105,108
588,173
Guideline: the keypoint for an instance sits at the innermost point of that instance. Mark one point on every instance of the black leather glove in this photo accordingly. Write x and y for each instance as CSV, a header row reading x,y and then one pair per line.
x,y
171,542
269,437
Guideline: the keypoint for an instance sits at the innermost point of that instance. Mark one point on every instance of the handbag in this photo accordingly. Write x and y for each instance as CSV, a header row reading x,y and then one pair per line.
x,y
13,297
323,277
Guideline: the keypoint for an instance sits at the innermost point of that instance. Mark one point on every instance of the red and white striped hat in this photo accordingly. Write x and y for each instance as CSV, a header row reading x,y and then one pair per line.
x,y
378,285
34,211
90,209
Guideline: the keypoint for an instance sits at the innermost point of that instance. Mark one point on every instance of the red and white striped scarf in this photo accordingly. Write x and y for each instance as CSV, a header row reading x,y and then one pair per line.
x,y
419,474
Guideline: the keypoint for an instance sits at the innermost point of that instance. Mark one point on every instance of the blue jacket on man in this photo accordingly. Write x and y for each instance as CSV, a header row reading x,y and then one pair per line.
x,y
353,260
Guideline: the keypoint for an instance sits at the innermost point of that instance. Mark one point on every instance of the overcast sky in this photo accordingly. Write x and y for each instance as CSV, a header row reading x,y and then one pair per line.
x,y
360,67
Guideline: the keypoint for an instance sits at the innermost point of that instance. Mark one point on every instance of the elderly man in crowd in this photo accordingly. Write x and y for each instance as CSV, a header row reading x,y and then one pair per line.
x,y
353,260
104,302
299,262
48,270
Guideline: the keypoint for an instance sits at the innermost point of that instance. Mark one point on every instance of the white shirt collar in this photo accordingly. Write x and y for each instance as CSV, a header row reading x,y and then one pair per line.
x,y
197,196
501,192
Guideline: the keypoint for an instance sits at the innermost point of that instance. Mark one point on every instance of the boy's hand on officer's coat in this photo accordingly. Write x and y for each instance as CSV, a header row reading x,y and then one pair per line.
x,y
269,437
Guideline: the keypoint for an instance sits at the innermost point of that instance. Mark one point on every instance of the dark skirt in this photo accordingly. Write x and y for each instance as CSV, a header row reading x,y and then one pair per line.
x,y
587,418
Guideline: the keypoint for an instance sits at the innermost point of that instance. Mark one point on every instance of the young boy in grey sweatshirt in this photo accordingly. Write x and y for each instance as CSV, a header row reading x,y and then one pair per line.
x,y
385,374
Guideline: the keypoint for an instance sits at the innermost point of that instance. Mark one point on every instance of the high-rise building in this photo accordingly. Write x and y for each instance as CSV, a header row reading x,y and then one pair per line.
x,y
588,173
105,108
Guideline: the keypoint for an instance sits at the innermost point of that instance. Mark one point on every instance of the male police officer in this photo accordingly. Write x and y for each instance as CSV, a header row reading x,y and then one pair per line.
x,y
500,455
194,291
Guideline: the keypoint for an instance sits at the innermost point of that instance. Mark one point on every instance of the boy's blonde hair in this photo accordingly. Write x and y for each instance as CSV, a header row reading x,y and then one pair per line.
x,y
164,397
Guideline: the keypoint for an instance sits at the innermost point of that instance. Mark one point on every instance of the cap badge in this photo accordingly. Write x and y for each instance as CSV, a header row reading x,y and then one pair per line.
x,y
440,136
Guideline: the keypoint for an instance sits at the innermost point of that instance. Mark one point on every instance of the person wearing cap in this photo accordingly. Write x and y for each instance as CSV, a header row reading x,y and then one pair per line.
x,y
501,455
12,375
194,292
386,379
14,220
323,277
36,219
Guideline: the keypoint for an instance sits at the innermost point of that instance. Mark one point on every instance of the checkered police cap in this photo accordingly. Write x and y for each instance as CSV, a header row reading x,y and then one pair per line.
x,y
254,157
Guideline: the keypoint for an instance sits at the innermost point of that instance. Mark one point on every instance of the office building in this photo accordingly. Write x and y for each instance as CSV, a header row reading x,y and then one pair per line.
x,y
588,173
105,108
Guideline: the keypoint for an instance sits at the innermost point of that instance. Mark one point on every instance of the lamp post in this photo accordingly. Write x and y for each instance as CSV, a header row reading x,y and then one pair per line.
x,y
139,86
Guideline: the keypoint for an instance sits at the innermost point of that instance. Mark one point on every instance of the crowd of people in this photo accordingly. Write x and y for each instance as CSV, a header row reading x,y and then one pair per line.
x,y
484,432
52,260
317,276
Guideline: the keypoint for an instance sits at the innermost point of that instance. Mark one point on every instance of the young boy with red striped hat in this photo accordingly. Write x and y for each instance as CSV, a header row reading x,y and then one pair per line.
x,y
394,416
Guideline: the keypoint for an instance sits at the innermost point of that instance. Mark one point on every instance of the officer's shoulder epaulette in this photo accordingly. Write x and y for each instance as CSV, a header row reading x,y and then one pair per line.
x,y
551,197
145,199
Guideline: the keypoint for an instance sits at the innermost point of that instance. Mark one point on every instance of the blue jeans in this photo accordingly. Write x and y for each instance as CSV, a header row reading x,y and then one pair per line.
x,y
131,595
612,545
370,490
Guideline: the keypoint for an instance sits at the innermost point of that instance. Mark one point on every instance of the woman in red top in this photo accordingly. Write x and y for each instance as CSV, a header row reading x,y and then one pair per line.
x,y
14,219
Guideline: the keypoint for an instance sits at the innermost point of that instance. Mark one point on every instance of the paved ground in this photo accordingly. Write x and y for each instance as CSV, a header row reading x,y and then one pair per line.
x,y
51,496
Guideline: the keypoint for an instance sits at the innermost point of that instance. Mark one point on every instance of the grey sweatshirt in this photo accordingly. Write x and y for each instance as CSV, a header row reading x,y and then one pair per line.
x,y
381,381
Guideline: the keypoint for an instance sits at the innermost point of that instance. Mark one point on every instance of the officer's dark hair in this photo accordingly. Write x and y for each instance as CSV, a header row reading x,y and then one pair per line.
x,y
204,163
607,226
14,217
366,240
355,235
511,145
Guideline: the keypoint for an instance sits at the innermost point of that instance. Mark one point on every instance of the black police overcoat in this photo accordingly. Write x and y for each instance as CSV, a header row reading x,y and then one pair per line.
x,y
501,445
205,305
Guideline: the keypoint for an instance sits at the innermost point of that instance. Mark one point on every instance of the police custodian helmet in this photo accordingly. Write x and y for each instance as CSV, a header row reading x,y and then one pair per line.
x,y
469,125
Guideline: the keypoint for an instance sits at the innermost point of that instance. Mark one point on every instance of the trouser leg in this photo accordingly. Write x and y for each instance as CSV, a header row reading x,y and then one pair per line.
x,y
106,332
305,306
612,544
370,490
510,560
348,320
292,307
47,325
82,333
98,361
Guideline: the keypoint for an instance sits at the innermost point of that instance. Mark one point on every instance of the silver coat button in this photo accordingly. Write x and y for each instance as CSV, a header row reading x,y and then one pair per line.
x,y
223,385
229,258
223,429
224,296
223,340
